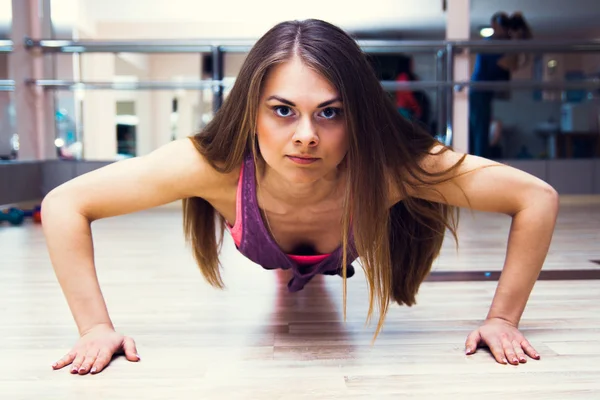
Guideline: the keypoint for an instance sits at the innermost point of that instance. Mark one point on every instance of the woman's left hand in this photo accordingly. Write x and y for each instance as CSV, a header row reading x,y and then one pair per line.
x,y
504,340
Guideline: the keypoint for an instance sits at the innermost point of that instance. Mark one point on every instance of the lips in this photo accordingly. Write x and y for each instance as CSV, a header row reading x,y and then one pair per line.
x,y
301,159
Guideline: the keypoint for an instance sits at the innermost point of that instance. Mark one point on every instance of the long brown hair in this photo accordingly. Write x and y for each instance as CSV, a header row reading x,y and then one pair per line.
x,y
396,245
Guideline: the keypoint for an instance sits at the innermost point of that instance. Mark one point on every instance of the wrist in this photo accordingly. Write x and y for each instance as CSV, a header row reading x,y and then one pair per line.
x,y
106,325
503,319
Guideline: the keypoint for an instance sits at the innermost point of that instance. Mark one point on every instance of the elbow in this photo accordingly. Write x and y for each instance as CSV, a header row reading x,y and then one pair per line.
x,y
50,203
548,198
54,197
541,196
552,195
57,204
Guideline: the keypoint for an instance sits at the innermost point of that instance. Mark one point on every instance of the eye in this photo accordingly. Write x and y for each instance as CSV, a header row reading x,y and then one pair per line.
x,y
331,112
282,111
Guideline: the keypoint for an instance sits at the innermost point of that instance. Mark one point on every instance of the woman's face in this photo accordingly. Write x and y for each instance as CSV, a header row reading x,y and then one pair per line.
x,y
301,130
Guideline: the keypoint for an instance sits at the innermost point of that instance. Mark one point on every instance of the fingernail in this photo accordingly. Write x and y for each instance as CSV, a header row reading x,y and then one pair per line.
x,y
515,360
74,369
138,356
93,370
54,365
468,350
504,360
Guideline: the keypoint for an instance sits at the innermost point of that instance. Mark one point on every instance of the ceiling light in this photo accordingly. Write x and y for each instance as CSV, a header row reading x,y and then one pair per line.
x,y
486,32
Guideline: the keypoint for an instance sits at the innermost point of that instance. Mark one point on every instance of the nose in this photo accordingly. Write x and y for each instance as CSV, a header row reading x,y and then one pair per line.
x,y
306,134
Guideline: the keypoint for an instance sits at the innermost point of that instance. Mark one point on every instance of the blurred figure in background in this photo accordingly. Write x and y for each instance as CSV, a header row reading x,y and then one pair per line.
x,y
413,104
496,131
518,29
406,102
487,68
494,67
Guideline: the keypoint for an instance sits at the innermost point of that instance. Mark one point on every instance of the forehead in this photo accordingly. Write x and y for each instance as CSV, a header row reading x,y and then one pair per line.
x,y
294,80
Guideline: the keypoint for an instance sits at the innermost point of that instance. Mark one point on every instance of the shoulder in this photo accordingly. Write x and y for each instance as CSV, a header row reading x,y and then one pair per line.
x,y
468,181
180,169
172,172
435,164
194,172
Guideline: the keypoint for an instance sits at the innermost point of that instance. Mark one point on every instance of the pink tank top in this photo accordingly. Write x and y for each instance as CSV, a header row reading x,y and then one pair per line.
x,y
237,229
254,241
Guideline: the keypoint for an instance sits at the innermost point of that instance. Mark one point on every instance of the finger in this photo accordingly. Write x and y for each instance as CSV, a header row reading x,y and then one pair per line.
x,y
472,342
509,351
130,349
77,362
104,357
529,349
497,350
90,359
519,351
66,360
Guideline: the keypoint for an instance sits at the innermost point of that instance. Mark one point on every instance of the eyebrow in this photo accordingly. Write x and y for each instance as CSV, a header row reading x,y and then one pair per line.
x,y
289,103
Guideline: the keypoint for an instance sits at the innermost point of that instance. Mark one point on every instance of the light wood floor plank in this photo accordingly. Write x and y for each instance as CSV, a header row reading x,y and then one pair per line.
x,y
255,340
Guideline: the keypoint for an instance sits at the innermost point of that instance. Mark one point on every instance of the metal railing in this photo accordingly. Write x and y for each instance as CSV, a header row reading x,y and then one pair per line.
x,y
444,52
528,46
139,46
58,84
369,46
7,85
6,46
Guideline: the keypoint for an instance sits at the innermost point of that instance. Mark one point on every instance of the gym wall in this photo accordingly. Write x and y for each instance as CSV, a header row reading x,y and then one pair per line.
x,y
31,181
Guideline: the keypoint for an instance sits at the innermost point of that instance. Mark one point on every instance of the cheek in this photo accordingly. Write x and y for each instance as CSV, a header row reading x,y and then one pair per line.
x,y
342,145
271,133
268,138
339,140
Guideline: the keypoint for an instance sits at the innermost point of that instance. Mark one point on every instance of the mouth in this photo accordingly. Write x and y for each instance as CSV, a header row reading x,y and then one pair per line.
x,y
302,159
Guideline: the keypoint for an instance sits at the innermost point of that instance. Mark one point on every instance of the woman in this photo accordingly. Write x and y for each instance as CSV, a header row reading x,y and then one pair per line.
x,y
406,102
309,160
518,29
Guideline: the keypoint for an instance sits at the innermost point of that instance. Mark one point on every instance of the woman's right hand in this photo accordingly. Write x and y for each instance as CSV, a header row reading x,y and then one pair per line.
x,y
95,349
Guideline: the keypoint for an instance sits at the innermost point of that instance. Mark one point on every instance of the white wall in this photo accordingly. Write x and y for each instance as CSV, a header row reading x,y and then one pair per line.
x,y
153,108
457,28
99,109
6,125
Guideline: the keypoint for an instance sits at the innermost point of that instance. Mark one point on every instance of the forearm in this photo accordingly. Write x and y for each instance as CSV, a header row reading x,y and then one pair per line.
x,y
69,241
509,62
528,244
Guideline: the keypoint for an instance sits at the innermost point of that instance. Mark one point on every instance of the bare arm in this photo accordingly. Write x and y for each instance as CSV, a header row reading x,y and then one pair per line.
x,y
533,206
172,172
509,62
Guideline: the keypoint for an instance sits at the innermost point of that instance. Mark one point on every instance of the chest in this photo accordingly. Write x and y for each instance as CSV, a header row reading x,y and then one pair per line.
x,y
305,231
296,230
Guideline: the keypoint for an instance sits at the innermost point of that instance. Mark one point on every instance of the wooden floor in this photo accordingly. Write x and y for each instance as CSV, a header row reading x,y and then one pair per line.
x,y
256,341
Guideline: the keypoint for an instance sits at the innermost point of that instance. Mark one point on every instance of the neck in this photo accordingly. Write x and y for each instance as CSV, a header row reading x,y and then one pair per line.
x,y
300,194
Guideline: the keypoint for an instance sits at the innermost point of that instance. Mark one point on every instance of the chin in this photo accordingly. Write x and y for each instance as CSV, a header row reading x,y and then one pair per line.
x,y
299,175
303,175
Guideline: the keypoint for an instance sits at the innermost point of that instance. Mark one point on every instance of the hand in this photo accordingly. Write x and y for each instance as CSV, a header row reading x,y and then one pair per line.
x,y
504,340
94,350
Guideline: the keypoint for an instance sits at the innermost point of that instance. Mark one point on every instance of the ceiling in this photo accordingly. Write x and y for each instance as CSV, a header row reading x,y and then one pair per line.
x,y
412,19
